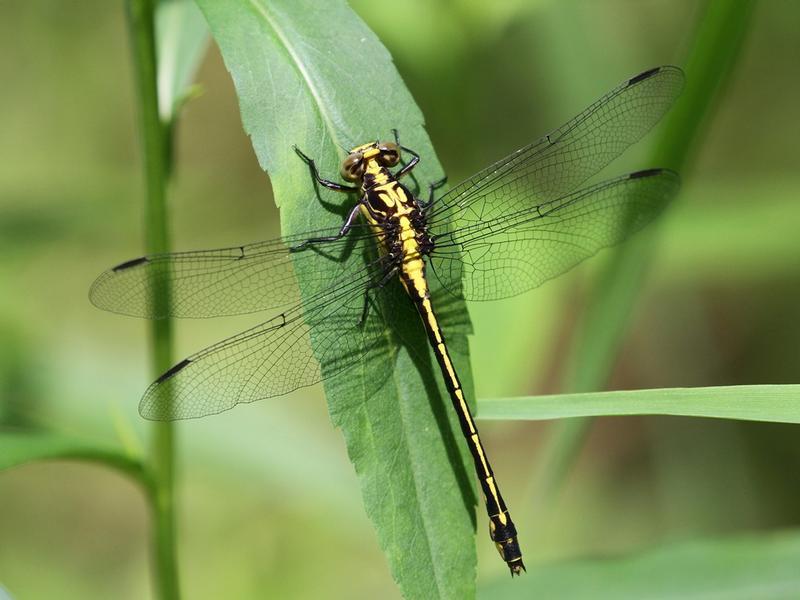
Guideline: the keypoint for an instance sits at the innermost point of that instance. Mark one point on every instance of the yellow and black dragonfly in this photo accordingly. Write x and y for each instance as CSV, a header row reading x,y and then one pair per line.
x,y
502,232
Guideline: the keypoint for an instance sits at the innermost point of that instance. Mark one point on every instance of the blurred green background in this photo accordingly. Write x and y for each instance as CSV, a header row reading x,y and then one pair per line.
x,y
719,306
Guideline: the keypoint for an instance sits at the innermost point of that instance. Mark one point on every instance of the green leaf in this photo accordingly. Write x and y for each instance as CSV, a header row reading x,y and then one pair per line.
x,y
312,74
756,566
22,447
181,41
776,403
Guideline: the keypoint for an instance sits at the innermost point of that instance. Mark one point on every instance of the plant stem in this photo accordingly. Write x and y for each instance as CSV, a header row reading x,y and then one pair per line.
x,y
155,140
718,38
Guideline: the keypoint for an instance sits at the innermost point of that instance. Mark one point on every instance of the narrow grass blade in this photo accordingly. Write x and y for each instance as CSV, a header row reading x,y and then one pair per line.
x,y
181,40
21,447
774,403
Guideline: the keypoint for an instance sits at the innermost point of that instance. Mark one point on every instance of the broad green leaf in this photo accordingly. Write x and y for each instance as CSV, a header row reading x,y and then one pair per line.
x,y
755,566
181,39
312,74
776,403
21,447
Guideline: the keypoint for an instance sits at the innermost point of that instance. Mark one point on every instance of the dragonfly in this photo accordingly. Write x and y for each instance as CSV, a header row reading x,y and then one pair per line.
x,y
506,230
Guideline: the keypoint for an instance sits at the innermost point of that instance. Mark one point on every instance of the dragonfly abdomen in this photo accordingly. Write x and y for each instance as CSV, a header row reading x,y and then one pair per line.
x,y
501,527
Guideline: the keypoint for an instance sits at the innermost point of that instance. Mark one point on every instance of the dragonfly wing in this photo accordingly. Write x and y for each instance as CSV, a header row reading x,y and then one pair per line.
x,y
298,348
560,161
225,281
510,255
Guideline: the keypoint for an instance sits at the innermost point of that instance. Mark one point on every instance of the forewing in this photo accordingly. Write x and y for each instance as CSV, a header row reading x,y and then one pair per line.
x,y
225,281
560,161
520,251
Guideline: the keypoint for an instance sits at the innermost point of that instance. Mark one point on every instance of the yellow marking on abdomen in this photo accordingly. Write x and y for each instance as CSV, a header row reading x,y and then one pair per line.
x,y
446,357
464,409
492,488
477,443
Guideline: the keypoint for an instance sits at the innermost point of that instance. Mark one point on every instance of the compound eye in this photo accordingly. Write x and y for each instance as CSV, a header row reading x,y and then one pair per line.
x,y
390,154
352,167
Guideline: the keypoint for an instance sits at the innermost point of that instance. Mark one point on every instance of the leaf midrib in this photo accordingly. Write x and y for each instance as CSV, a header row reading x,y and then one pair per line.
x,y
298,65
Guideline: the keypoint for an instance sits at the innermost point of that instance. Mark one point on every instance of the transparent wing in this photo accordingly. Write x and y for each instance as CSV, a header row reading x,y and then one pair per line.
x,y
559,162
318,339
517,252
226,281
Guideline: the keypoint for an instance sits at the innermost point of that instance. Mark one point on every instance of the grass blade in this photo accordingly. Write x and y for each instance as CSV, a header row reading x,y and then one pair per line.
x,y
773,403
21,447
181,40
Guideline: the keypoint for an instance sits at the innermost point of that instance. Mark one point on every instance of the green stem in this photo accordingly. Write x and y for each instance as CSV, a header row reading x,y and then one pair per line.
x,y
718,38
155,139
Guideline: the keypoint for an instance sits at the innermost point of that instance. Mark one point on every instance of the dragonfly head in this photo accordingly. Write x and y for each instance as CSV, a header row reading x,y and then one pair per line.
x,y
375,155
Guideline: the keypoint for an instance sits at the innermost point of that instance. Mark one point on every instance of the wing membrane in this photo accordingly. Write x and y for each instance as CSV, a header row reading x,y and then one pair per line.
x,y
559,162
298,348
520,251
225,281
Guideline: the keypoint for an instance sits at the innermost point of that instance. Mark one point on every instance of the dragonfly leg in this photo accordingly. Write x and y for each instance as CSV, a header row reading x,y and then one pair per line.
x,y
407,168
348,224
432,187
331,185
